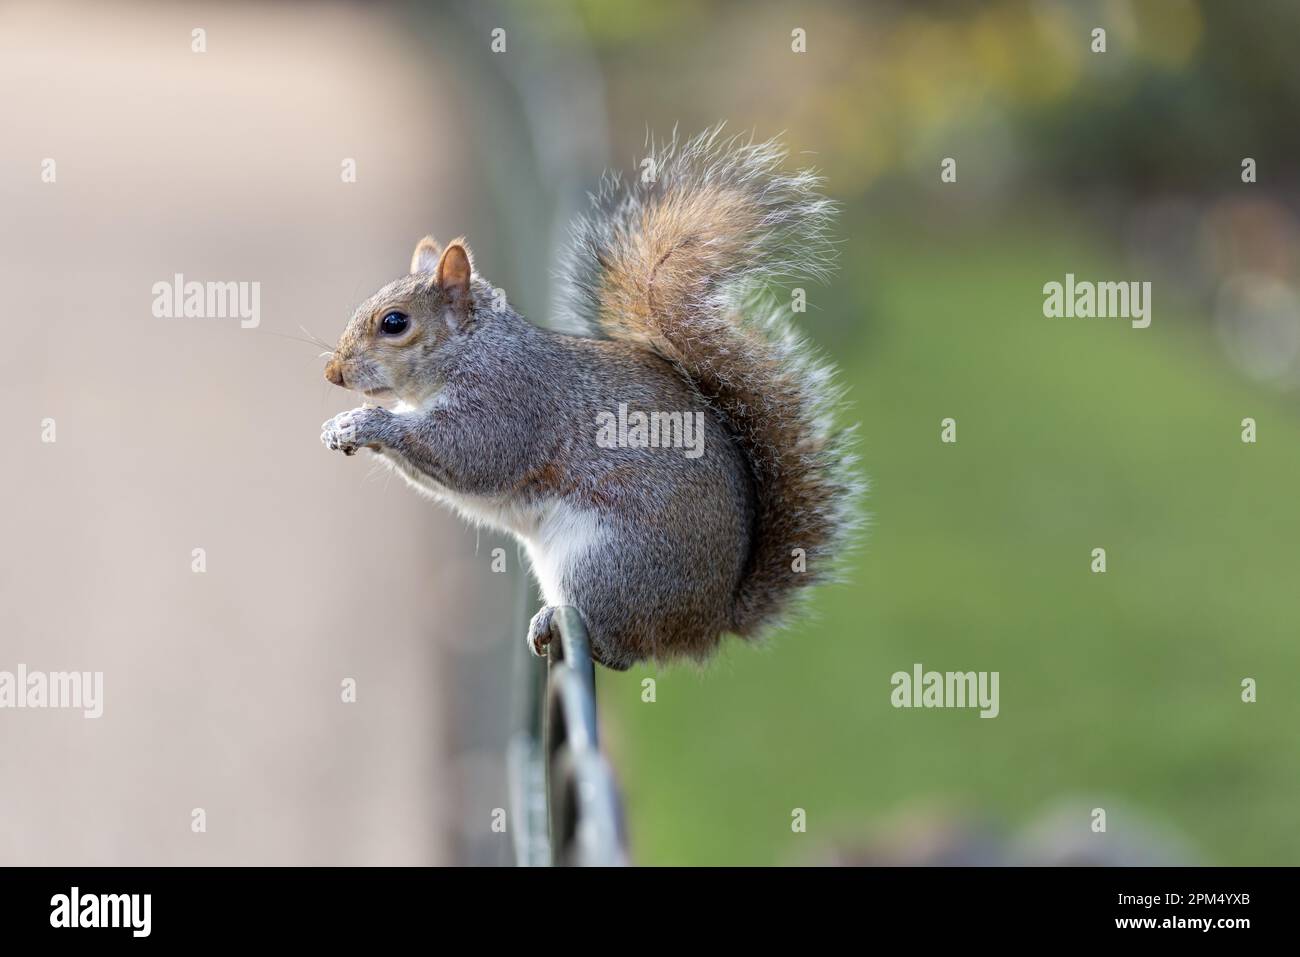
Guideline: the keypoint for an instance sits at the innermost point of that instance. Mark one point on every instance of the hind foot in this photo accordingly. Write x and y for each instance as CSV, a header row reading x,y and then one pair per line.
x,y
539,631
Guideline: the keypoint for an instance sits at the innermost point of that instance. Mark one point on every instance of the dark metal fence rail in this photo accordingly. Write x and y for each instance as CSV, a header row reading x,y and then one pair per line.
x,y
566,805
546,116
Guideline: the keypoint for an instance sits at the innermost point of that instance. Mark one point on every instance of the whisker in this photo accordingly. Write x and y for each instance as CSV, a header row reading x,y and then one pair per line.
x,y
310,342
316,339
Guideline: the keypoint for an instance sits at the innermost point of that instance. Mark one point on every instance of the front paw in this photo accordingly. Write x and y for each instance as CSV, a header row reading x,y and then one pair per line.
x,y
351,430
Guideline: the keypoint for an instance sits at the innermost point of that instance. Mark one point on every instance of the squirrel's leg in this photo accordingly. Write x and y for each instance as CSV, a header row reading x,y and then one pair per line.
x,y
541,634
434,449
409,441
539,631
366,427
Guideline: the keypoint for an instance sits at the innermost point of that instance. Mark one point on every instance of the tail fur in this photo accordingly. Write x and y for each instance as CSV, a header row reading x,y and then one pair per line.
x,y
682,261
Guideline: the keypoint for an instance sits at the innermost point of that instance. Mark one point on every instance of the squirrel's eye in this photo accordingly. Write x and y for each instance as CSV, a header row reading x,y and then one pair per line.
x,y
394,324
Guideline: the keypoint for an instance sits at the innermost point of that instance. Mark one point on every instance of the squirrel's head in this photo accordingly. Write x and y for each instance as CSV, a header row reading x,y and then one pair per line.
x,y
392,345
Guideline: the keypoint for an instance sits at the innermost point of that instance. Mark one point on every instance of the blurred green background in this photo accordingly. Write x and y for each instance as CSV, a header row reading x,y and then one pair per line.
x,y
1119,690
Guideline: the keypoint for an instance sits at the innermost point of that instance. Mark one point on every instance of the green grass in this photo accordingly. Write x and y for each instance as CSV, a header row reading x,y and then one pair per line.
x,y
1120,688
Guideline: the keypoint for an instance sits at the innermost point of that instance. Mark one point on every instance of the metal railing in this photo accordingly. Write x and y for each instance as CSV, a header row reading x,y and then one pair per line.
x,y
566,804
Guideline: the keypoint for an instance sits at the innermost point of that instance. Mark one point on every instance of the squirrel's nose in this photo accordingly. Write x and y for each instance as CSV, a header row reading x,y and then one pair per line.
x,y
334,371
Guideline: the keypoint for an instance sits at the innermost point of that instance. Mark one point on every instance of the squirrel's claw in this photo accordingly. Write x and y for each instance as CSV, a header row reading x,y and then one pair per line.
x,y
539,631
340,434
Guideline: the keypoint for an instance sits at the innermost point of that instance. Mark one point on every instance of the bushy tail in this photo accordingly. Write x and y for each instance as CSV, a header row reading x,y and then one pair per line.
x,y
682,261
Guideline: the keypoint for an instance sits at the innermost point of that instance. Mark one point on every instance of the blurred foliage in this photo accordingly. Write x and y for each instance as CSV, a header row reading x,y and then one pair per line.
x,y
882,81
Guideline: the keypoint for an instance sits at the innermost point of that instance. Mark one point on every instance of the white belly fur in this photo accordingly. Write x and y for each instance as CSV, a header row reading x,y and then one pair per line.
x,y
565,537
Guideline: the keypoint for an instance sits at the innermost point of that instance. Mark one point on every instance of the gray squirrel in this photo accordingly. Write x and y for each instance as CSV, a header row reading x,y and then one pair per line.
x,y
665,538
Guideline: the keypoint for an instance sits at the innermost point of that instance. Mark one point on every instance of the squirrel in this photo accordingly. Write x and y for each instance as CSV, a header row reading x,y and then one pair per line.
x,y
551,436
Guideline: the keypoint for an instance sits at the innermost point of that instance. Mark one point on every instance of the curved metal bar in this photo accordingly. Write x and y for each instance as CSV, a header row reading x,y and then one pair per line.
x,y
584,811
587,827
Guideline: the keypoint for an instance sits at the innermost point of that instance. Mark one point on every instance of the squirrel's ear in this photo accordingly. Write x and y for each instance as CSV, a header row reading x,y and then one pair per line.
x,y
455,268
425,257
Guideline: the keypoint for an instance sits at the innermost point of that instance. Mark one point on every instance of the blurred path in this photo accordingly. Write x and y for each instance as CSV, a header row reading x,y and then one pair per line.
x,y
222,689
